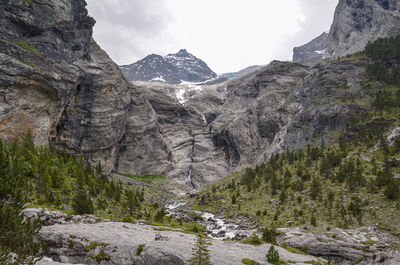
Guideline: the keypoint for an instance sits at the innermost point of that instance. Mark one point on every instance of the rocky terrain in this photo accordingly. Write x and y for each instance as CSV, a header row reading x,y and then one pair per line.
x,y
56,81
83,103
229,76
247,119
173,69
315,49
118,243
364,245
357,22
74,239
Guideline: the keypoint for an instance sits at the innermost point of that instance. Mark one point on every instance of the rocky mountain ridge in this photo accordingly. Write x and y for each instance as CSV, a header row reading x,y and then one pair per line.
x,y
172,69
229,76
314,49
357,22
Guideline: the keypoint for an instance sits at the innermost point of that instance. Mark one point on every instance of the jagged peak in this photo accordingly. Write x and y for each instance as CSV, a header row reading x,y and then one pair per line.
x,y
180,53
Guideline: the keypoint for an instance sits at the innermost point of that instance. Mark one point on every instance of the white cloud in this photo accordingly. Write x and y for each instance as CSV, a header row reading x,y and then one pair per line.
x,y
227,34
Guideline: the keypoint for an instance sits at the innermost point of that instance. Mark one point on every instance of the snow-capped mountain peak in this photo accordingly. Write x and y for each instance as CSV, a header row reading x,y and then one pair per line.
x,y
173,68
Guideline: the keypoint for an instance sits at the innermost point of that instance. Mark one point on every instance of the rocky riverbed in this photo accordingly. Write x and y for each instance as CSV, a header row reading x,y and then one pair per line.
x,y
216,227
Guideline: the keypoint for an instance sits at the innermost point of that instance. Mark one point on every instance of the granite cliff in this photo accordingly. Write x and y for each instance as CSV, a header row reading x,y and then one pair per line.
x,y
56,81
314,49
357,22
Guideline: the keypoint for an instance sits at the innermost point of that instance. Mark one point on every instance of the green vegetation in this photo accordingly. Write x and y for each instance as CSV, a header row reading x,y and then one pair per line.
x,y
26,45
93,245
147,178
249,262
43,177
34,65
313,262
16,234
253,240
273,255
29,2
140,249
100,257
82,203
293,250
383,52
201,253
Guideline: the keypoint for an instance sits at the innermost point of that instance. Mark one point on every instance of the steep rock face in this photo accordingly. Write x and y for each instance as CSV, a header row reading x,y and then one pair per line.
x,y
173,69
228,126
35,85
357,21
282,106
56,81
184,150
315,49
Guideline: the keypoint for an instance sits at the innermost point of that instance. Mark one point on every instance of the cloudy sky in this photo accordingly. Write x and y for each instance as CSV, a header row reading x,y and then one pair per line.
x,y
227,34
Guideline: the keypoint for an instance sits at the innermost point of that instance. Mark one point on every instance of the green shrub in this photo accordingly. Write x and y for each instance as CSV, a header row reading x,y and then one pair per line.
x,y
159,217
249,262
100,257
140,249
269,235
26,46
273,255
82,203
253,240
195,216
313,221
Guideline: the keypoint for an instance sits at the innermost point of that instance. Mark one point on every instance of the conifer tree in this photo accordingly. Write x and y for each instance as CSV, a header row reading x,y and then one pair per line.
x,y
82,203
201,253
272,255
16,234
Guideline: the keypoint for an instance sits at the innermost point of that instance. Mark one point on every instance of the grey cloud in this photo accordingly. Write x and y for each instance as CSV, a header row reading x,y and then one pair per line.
x,y
129,31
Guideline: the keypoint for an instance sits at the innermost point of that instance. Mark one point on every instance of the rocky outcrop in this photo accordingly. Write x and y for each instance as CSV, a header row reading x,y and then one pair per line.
x,y
229,76
57,217
118,243
315,49
284,106
364,245
185,151
357,22
172,69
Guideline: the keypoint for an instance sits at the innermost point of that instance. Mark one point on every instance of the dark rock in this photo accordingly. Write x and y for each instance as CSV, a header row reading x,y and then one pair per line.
x,y
357,22
173,69
315,49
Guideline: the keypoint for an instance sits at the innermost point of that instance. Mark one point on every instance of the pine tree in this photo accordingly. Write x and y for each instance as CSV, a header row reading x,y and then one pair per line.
x,y
16,234
273,255
82,203
201,253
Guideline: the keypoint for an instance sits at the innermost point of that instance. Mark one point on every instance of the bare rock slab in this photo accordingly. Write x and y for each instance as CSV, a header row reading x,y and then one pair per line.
x,y
118,243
